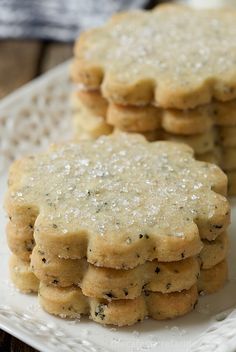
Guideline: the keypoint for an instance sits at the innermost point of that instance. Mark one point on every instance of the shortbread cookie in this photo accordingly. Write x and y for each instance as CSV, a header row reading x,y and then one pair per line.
x,y
226,136
111,283
214,157
70,302
145,57
200,119
93,100
201,143
87,125
20,234
150,136
232,182
22,276
224,113
213,279
214,252
187,122
134,119
119,200
228,162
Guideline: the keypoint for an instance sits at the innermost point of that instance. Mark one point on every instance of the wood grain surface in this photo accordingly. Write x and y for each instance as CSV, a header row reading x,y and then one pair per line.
x,y
21,61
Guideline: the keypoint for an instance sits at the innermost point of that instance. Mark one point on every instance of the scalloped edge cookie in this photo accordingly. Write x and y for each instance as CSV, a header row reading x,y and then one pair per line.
x,y
123,252
132,82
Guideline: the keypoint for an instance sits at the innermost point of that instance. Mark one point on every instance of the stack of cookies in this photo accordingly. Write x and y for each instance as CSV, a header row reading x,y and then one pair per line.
x,y
117,228
168,74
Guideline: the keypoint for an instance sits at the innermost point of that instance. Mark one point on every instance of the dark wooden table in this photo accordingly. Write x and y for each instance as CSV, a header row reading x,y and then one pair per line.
x,y
20,62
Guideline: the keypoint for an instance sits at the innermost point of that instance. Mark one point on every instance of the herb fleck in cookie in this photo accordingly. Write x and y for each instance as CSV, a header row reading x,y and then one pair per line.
x,y
118,201
111,283
148,57
70,303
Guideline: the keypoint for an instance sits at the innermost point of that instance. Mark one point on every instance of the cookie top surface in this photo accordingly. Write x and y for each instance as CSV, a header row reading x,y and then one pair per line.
x,y
119,190
173,56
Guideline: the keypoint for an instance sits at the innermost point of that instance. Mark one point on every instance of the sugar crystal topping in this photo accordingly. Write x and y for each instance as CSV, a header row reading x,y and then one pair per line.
x,y
118,185
178,46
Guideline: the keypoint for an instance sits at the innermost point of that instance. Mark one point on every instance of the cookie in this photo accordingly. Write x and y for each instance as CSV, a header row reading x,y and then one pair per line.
x,y
228,161
93,100
87,125
111,283
22,276
201,143
188,121
167,70
226,136
214,157
146,118
150,136
70,303
232,182
119,200
224,113
134,119
213,279
200,119
20,234
214,252
127,284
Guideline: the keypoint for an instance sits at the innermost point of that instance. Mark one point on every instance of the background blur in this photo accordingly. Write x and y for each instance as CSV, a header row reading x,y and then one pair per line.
x,y
36,35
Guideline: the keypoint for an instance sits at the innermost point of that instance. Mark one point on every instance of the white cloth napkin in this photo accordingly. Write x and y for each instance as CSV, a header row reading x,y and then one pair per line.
x,y
56,19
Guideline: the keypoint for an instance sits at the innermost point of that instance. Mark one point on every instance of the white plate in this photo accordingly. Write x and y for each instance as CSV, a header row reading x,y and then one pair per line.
x,y
211,327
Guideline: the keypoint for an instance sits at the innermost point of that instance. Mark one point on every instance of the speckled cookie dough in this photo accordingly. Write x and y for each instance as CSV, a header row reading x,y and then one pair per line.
x,y
119,200
167,70
20,231
127,284
87,126
22,276
70,302
232,182
92,99
228,162
213,279
226,136
184,122
134,119
213,252
111,283
201,143
150,136
213,157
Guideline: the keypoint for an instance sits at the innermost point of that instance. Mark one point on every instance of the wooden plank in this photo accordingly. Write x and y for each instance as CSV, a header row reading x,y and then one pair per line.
x,y
18,63
54,54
